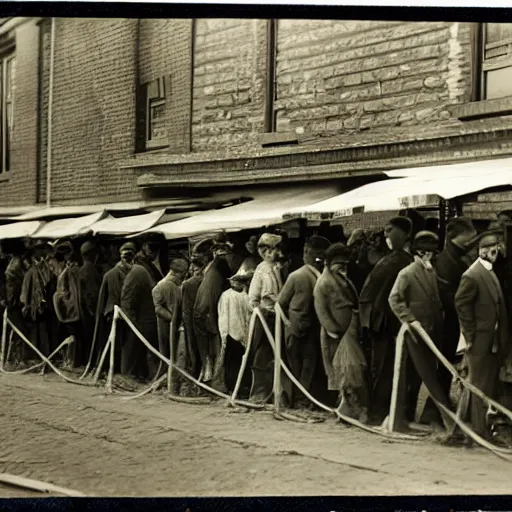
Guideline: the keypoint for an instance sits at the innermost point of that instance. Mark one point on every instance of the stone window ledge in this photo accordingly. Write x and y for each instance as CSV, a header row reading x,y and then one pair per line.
x,y
482,109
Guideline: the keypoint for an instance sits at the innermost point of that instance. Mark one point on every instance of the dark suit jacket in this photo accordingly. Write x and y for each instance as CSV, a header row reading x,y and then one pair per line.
x,y
482,312
296,300
374,310
415,296
90,284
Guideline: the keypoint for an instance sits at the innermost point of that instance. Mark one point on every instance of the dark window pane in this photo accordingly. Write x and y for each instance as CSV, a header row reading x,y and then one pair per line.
x,y
498,83
498,32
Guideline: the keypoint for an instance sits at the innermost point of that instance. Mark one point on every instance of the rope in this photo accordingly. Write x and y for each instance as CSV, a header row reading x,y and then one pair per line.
x,y
500,452
346,419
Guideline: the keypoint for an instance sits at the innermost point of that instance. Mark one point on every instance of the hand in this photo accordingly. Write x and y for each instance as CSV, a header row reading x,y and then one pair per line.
x,y
416,325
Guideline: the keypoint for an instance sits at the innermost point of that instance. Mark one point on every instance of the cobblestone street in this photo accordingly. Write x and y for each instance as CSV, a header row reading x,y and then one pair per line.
x,y
100,445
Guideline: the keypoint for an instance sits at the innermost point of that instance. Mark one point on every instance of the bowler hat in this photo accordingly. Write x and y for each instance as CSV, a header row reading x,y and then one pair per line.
x,y
402,223
426,241
87,247
338,252
318,243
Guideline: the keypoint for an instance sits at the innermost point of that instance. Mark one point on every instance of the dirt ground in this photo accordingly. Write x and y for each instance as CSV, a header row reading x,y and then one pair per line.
x,y
103,445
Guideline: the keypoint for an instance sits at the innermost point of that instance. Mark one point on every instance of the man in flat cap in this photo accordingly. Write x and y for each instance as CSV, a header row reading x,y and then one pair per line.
x,y
263,293
137,302
483,320
451,263
90,284
234,316
415,300
167,301
110,296
302,332
379,324
206,324
336,304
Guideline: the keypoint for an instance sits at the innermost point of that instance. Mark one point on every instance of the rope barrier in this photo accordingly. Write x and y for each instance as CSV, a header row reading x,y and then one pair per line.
x,y
500,452
346,419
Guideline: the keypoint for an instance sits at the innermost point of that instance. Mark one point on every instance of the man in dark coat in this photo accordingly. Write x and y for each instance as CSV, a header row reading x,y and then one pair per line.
x,y
450,265
302,333
415,300
137,303
483,319
36,298
189,290
90,284
110,296
167,300
378,322
206,319
14,275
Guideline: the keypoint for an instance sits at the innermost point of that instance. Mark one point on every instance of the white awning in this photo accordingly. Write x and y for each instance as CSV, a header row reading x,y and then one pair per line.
x,y
63,228
133,223
265,209
415,191
19,229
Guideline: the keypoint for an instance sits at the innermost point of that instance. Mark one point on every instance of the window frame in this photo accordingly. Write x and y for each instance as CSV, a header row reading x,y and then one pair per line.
x,y
149,103
6,103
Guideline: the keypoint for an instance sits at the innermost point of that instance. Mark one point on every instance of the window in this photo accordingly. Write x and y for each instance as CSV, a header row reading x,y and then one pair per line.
x,y
7,76
153,114
496,61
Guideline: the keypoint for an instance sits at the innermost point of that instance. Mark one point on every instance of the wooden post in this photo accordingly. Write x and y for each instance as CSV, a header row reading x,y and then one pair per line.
x,y
4,340
277,363
171,357
112,336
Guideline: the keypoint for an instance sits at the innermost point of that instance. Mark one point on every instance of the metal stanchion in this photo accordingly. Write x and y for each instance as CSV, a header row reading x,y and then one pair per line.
x,y
4,340
277,365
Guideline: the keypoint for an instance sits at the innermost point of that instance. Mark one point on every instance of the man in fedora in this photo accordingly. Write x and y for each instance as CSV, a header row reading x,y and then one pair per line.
x,y
379,324
415,300
302,331
483,319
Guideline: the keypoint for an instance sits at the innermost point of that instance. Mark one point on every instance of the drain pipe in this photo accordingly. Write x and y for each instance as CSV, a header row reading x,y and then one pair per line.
x,y
50,117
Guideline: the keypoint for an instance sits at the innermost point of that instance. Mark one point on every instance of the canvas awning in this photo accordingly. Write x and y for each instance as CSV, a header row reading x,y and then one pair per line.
x,y
19,229
133,224
63,228
414,191
265,209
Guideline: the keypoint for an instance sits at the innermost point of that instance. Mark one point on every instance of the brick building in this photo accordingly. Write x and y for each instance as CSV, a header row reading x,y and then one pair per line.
x,y
149,109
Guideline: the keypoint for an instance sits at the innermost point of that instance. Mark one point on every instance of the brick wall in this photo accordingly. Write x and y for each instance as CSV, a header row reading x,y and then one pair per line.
x,y
229,83
165,48
347,76
93,110
18,188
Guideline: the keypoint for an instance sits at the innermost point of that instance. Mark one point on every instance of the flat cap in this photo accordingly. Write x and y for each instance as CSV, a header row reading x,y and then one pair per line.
x,y
242,276
65,247
269,240
426,241
128,247
179,265
402,223
488,238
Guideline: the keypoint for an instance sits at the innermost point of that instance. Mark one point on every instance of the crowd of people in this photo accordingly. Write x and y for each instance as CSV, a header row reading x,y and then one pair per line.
x,y
343,304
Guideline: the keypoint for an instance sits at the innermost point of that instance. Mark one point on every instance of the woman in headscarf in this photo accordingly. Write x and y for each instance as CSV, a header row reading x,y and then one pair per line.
x,y
336,305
